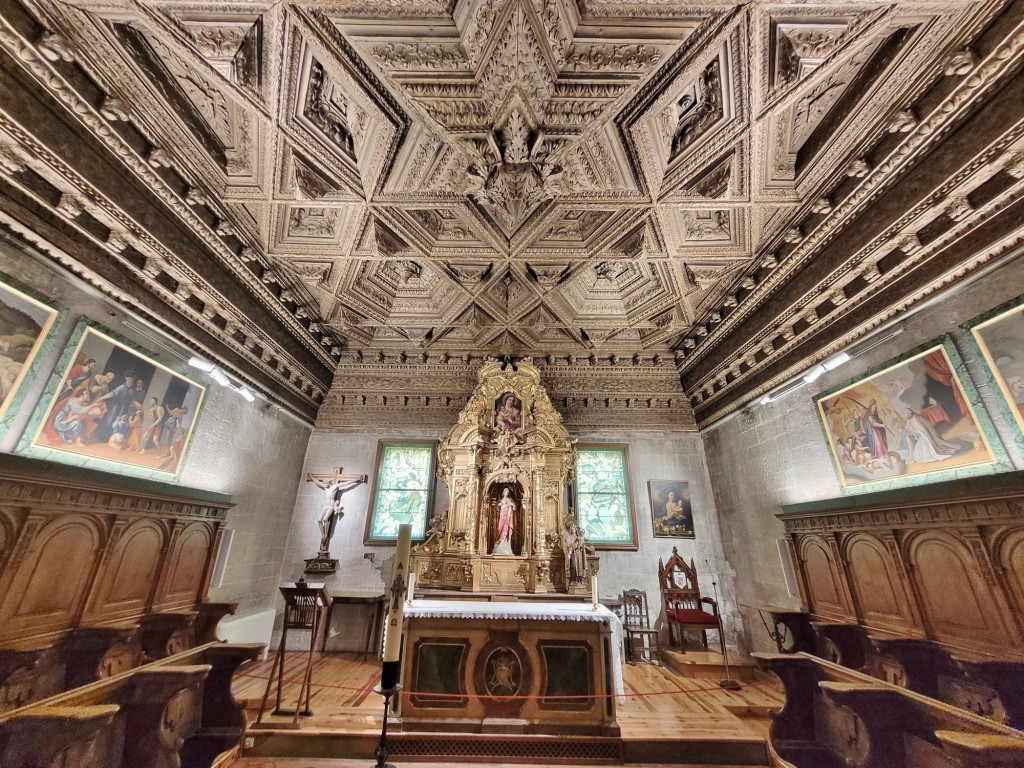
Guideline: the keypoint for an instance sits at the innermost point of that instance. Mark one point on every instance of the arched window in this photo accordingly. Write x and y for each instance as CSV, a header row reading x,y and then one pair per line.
x,y
403,491
603,506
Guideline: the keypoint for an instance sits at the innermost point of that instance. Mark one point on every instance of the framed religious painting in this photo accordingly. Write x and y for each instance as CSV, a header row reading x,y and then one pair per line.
x,y
914,419
998,336
26,324
109,405
671,512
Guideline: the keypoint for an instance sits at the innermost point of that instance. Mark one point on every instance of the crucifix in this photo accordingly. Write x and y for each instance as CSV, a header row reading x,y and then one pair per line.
x,y
334,487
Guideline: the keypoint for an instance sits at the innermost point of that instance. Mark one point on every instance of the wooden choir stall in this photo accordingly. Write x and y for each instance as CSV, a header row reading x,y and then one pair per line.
x,y
910,647
107,651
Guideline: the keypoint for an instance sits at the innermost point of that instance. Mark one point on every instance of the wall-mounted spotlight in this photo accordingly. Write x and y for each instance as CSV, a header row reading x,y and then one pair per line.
x,y
829,365
201,363
215,373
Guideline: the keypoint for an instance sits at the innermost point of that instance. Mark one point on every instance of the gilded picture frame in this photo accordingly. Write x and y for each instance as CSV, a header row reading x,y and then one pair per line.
x,y
110,405
915,419
671,510
997,339
27,324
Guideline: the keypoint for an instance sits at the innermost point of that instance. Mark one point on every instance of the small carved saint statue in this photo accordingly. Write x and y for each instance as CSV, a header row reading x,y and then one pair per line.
x,y
334,487
506,524
575,546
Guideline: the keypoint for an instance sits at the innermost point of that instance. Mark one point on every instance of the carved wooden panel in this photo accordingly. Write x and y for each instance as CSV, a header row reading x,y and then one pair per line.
x,y
186,566
944,562
6,535
48,590
956,599
84,551
129,579
879,595
1010,562
823,579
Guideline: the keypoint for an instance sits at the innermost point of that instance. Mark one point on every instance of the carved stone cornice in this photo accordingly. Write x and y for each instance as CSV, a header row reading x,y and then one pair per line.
x,y
882,177
589,394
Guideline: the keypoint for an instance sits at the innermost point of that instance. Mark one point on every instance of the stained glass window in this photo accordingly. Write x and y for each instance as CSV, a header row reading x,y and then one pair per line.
x,y
603,506
402,492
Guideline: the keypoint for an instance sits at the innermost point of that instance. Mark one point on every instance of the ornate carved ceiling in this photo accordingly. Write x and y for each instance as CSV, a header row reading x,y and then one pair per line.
x,y
731,186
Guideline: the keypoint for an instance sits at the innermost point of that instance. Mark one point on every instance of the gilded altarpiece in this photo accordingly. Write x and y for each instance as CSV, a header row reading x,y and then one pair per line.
x,y
508,463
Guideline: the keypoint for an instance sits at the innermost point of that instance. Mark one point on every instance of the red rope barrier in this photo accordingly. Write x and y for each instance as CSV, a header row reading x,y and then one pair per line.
x,y
561,697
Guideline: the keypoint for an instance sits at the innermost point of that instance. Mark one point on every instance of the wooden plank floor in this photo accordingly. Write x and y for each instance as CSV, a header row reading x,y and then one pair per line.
x,y
659,703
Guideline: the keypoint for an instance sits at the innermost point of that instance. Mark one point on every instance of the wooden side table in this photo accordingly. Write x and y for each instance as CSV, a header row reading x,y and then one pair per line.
x,y
376,625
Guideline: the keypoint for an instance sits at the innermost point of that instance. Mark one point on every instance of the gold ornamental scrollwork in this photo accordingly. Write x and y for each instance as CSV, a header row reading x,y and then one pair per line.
x,y
507,462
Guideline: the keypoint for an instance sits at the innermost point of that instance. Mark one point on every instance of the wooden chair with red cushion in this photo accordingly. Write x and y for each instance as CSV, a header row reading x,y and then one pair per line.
x,y
684,606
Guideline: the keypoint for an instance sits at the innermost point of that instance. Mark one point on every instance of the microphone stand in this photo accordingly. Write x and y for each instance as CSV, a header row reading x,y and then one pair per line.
x,y
728,683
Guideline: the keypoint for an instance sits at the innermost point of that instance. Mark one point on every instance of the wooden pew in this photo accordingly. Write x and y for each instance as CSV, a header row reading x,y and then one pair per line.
x,y
93,653
842,642
31,671
835,716
29,674
156,715
167,633
42,735
984,685
989,687
908,662
791,628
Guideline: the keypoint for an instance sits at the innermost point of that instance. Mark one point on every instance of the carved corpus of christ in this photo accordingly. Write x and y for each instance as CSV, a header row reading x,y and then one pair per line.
x,y
334,487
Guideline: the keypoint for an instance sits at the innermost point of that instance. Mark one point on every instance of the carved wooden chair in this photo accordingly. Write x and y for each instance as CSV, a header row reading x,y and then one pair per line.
x,y
684,606
641,638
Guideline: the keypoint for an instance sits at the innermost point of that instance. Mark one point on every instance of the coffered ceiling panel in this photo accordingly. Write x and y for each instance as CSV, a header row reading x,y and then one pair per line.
x,y
583,179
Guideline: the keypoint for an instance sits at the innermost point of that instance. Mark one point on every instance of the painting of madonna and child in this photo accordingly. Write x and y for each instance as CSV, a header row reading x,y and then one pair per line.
x,y
508,413
112,403
909,419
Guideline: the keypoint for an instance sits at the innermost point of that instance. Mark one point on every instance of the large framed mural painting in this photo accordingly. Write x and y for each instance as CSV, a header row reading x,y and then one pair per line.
x,y
913,417
999,337
25,324
671,513
111,406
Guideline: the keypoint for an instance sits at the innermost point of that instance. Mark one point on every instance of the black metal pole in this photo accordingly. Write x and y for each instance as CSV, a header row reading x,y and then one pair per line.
x,y
388,687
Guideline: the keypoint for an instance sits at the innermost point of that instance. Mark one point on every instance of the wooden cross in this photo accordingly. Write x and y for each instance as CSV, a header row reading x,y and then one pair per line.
x,y
336,475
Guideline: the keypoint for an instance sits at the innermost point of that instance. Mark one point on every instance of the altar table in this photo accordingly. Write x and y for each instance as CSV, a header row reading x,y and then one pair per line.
x,y
511,667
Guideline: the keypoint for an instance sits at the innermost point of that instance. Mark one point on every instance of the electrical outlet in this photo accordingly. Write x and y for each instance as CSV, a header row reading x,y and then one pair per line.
x,y
250,742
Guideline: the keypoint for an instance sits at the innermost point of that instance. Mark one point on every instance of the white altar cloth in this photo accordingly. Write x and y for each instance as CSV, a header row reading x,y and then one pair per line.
x,y
535,610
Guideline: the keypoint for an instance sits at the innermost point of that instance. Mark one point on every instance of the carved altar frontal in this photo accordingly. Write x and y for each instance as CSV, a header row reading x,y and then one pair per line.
x,y
521,667
508,463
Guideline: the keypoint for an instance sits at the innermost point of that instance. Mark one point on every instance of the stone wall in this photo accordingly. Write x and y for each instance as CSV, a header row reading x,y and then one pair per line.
x,y
775,454
663,456
250,451
652,455
356,452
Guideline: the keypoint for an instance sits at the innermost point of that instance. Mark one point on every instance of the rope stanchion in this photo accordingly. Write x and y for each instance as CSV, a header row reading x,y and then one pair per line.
x,y
638,695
